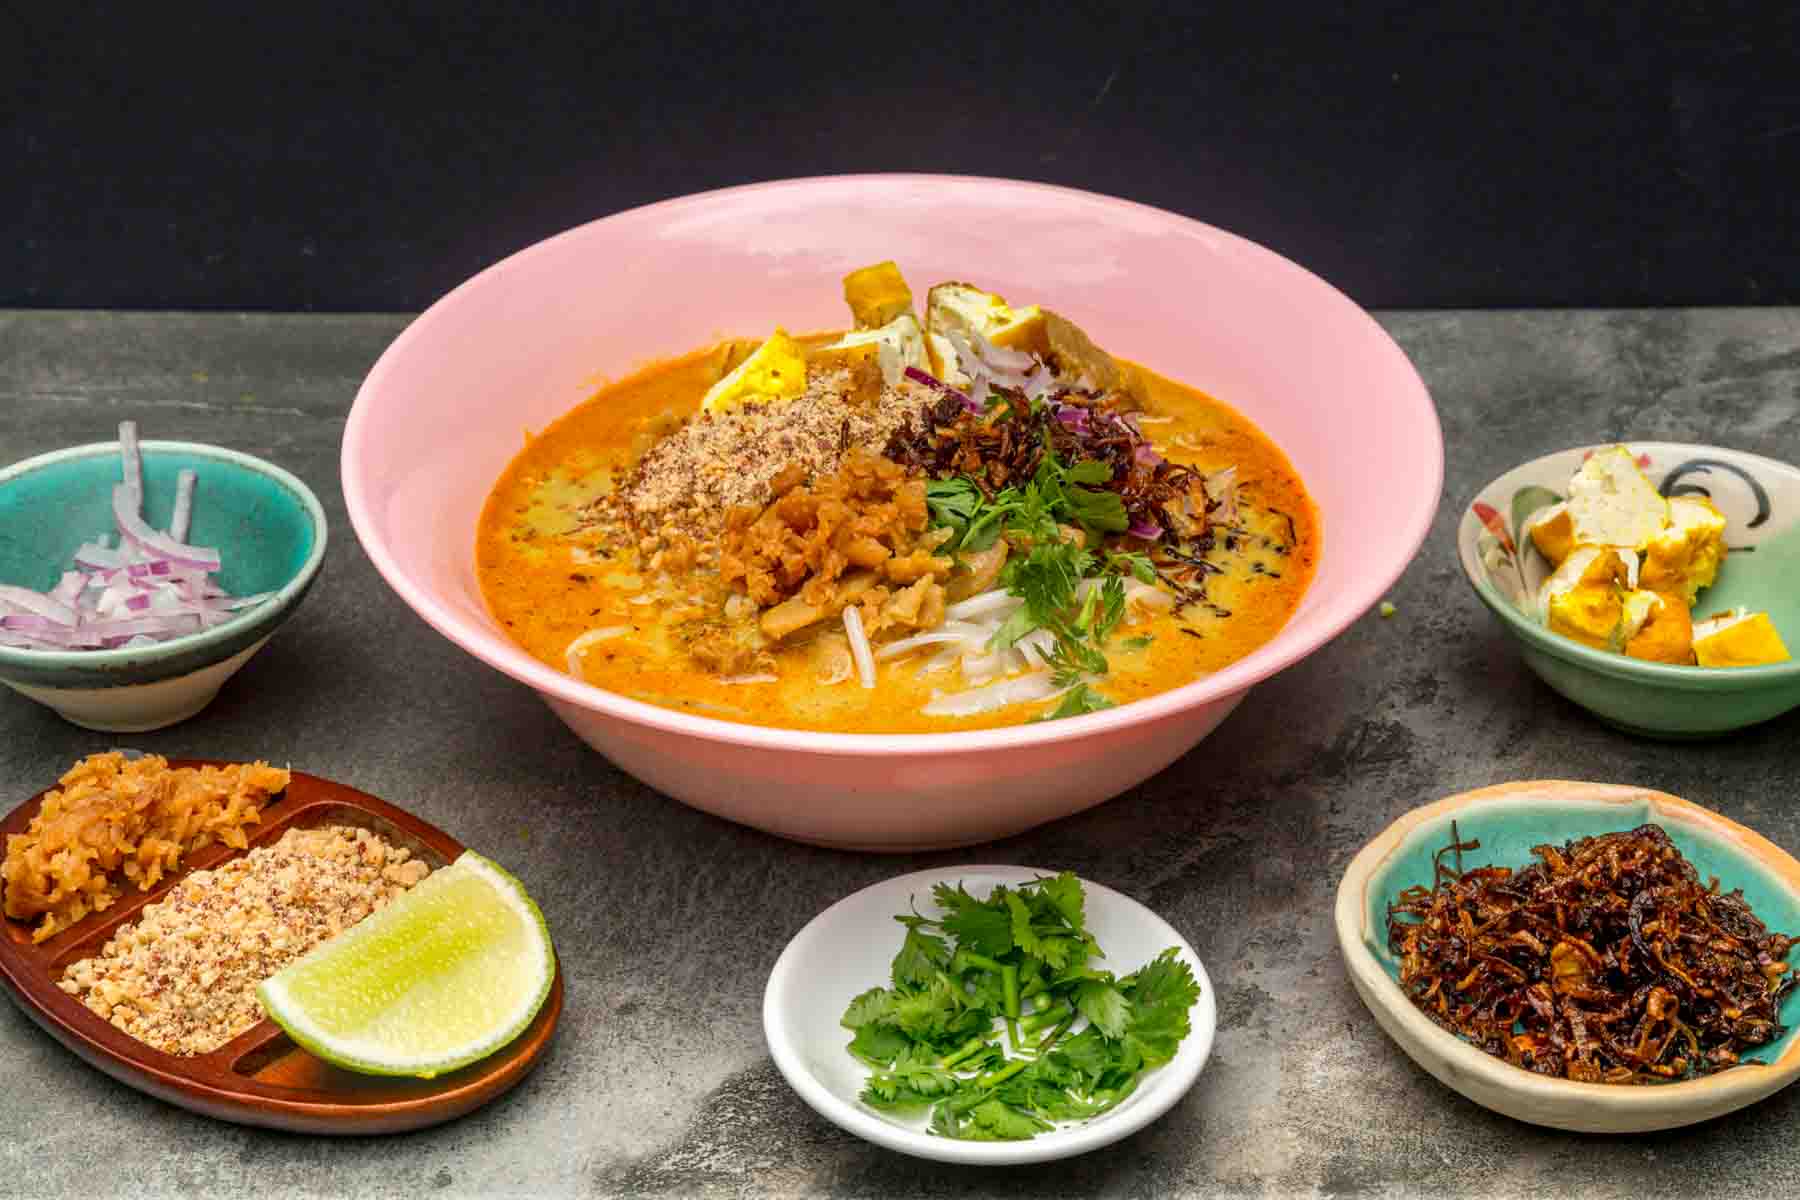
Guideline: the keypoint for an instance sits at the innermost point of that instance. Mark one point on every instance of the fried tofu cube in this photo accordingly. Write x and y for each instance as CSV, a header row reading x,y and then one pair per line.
x,y
1665,633
1552,531
1612,503
962,308
775,371
1591,614
1685,558
877,295
1738,639
897,345
1583,599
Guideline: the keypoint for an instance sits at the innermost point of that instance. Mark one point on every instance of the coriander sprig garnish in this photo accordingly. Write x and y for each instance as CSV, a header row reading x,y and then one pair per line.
x,y
1020,960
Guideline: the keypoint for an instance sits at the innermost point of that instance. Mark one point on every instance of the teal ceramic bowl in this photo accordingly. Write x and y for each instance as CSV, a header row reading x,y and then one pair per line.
x,y
1761,502
1508,821
270,533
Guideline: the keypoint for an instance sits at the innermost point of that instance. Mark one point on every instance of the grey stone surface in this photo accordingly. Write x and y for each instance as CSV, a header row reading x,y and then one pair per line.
x,y
668,921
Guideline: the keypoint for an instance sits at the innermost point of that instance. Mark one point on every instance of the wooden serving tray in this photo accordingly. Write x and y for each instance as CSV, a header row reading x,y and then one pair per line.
x,y
261,1077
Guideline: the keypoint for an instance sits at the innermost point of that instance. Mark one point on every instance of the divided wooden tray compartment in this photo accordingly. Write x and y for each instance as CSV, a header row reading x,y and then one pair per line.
x,y
261,1077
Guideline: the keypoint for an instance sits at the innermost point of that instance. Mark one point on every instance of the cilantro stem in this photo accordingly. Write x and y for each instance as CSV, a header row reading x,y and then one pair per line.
x,y
1045,1017
1049,1040
969,1047
995,1078
1009,998
980,960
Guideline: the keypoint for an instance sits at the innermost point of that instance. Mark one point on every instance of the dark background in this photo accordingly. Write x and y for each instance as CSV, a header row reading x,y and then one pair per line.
x,y
355,158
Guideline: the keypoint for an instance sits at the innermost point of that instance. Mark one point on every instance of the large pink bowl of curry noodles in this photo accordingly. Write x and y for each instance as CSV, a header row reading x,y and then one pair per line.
x,y
515,347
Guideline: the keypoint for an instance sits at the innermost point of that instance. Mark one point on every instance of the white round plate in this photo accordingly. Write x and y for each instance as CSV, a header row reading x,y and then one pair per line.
x,y
847,949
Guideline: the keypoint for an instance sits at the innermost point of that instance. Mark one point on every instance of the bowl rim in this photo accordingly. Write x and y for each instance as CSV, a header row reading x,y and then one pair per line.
x,y
1715,1093
1619,666
282,598
512,660
1161,1090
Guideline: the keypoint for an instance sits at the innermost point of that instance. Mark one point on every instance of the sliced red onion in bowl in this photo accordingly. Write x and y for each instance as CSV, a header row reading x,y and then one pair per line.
x,y
185,480
38,604
159,544
153,587
68,587
131,461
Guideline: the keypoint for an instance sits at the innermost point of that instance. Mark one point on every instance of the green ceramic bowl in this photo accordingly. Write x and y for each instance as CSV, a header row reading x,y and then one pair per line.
x,y
270,533
1761,502
1508,821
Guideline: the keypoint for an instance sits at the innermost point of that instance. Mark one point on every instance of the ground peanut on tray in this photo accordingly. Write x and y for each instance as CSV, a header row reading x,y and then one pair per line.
x,y
183,977
115,820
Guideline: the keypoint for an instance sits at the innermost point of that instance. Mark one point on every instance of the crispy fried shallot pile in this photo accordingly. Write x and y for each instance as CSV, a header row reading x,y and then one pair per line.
x,y
1606,961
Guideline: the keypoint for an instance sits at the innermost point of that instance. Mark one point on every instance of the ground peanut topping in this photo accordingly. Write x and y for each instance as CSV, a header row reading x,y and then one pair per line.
x,y
117,820
717,460
183,977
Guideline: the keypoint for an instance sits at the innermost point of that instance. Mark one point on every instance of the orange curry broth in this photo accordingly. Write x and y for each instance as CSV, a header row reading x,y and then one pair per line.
x,y
546,589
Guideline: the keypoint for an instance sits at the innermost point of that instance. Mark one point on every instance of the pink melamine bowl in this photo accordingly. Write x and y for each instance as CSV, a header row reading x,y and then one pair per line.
x,y
521,343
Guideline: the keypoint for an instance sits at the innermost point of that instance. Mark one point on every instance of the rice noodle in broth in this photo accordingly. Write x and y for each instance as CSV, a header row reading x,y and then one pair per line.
x,y
972,519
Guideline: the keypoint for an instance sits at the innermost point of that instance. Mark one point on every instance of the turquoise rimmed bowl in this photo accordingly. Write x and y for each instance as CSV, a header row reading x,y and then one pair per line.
x,y
1508,820
1760,499
267,525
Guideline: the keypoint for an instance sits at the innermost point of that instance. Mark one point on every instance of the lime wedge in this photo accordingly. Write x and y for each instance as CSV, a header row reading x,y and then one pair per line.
x,y
447,974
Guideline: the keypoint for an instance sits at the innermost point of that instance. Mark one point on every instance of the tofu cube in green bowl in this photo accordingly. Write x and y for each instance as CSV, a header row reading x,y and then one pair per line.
x,y
1760,501
268,529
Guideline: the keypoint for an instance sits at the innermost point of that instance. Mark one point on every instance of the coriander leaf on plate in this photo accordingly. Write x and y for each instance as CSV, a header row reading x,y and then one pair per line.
x,y
872,1007
879,1045
1163,981
1064,892
921,956
1105,1006
983,930
914,1080
996,1121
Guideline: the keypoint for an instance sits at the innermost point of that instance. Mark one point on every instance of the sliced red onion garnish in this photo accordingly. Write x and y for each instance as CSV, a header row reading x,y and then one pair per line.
x,y
152,542
1146,529
1145,455
152,588
68,587
131,462
96,557
184,505
1074,416
933,382
38,604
